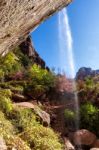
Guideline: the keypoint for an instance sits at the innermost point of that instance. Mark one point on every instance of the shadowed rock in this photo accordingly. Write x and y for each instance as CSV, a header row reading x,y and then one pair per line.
x,y
19,17
28,49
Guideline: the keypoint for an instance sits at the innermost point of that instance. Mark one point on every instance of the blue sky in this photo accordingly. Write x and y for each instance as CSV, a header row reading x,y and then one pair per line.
x,y
84,21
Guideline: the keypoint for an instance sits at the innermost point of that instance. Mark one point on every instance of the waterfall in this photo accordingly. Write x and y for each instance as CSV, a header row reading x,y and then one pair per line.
x,y
66,53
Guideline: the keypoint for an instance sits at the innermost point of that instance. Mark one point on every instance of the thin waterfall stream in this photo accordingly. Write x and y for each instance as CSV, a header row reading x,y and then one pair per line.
x,y
66,54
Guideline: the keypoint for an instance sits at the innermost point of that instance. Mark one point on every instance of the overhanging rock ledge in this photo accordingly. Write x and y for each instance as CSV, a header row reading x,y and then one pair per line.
x,y
19,17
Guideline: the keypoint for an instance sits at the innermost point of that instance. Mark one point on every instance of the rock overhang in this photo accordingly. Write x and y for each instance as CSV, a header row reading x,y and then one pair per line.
x,y
19,17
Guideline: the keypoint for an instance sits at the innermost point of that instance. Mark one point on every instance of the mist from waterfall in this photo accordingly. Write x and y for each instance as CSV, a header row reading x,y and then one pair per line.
x,y
66,53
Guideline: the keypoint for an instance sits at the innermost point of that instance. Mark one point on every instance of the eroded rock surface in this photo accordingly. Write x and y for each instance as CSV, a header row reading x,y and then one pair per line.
x,y
19,17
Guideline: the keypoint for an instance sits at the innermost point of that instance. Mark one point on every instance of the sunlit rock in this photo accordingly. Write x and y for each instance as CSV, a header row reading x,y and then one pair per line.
x,y
2,144
19,17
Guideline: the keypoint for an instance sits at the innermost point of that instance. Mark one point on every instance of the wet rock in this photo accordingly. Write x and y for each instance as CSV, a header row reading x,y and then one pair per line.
x,y
2,144
84,137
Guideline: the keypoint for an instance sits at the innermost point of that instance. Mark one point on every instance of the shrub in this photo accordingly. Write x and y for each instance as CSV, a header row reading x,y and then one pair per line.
x,y
89,115
6,128
16,142
1,75
31,131
70,118
69,114
24,59
89,83
9,64
5,101
39,80
41,138
23,118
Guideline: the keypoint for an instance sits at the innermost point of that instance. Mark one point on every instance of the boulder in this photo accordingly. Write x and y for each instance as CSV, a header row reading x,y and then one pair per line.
x,y
84,137
2,144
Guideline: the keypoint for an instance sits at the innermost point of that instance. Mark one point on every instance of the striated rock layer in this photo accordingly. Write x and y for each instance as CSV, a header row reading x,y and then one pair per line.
x,y
19,17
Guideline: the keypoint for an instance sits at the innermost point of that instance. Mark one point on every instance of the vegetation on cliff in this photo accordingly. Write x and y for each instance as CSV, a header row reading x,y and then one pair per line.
x,y
20,127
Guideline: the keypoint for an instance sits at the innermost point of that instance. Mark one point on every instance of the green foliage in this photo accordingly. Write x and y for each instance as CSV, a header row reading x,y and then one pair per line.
x,y
9,64
1,74
31,131
89,82
69,114
23,118
89,117
70,118
41,138
41,76
5,101
24,59
6,128
23,126
16,142
40,80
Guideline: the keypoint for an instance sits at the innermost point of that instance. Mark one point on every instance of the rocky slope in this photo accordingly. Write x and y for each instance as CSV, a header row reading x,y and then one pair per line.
x,y
86,72
19,17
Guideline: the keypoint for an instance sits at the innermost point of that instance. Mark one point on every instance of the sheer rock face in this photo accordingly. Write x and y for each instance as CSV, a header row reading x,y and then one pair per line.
x,y
28,49
19,17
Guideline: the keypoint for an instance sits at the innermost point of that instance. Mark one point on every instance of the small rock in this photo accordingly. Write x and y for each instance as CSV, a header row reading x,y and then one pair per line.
x,y
84,137
68,144
2,144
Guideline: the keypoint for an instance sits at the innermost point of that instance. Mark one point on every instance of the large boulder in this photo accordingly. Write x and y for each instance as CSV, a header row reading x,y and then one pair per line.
x,y
84,137
2,144
19,17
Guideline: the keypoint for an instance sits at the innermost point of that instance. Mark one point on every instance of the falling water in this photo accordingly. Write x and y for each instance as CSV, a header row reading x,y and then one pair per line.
x,y
66,53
